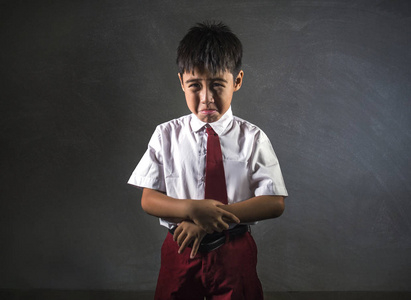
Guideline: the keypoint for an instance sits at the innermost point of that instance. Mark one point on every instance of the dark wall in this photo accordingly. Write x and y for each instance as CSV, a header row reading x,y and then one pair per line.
x,y
84,83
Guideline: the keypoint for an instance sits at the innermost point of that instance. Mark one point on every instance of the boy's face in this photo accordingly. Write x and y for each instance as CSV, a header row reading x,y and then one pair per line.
x,y
209,96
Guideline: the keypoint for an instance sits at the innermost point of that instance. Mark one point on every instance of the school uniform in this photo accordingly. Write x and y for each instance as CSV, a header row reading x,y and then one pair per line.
x,y
175,163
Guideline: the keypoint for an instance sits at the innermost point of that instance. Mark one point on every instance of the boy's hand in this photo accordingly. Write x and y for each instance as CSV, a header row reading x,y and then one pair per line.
x,y
210,217
187,233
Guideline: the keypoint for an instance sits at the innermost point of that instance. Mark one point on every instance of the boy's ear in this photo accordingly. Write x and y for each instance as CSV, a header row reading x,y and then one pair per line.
x,y
238,80
181,81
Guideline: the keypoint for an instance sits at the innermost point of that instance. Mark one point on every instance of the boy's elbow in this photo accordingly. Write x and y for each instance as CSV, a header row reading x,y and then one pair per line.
x,y
145,203
281,210
279,206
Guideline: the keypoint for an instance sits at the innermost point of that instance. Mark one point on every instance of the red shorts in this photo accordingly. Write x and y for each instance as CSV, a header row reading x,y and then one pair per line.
x,y
228,272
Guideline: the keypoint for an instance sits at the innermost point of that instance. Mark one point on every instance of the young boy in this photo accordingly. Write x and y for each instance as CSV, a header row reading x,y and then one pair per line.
x,y
208,176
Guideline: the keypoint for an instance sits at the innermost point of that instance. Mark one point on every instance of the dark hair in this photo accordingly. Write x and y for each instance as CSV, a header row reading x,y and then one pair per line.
x,y
212,46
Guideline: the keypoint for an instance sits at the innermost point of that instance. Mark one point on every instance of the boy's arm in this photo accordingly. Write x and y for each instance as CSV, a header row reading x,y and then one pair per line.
x,y
207,214
257,208
254,209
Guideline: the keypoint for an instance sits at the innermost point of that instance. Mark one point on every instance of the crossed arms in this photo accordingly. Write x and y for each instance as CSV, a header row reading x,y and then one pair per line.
x,y
196,218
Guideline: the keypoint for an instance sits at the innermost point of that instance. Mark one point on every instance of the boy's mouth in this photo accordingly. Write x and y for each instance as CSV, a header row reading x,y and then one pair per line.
x,y
208,111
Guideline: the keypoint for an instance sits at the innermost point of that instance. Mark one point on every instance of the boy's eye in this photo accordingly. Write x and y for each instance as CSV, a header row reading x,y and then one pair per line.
x,y
194,85
216,84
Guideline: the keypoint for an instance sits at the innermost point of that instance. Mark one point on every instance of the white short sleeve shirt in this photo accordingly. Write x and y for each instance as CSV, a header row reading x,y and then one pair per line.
x,y
174,162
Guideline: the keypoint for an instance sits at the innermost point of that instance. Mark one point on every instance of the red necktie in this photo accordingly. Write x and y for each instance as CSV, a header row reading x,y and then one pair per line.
x,y
215,186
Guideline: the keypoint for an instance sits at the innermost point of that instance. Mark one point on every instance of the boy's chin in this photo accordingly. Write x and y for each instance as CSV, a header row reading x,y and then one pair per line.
x,y
209,118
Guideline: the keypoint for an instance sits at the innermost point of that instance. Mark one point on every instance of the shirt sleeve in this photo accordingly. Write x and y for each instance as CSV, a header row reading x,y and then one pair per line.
x,y
149,172
265,172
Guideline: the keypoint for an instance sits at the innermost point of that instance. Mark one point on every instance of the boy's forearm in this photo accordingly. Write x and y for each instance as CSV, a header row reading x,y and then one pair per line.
x,y
205,213
257,208
160,205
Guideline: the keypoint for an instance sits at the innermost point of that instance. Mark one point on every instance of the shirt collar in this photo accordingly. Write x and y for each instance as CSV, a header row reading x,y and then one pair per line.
x,y
219,126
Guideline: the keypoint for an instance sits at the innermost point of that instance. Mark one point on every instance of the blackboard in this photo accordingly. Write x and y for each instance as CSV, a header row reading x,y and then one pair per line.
x,y
84,83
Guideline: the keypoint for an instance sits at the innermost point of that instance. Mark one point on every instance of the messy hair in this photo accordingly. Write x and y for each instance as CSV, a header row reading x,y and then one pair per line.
x,y
210,46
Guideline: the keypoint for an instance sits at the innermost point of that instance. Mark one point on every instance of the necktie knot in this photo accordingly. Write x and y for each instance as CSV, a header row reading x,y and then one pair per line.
x,y
210,131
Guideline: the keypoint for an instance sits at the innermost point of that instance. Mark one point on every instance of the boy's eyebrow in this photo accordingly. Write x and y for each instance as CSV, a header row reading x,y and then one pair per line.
x,y
219,79
212,79
192,80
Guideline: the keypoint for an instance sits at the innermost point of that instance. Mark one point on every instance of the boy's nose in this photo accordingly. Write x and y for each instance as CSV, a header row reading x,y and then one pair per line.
x,y
206,96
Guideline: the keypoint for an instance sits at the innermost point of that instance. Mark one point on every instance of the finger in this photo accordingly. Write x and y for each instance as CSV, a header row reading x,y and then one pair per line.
x,y
230,217
224,226
227,220
221,224
177,233
181,238
207,229
184,244
219,227
196,246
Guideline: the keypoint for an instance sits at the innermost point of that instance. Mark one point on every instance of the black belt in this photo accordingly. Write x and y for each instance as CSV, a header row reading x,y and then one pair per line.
x,y
215,240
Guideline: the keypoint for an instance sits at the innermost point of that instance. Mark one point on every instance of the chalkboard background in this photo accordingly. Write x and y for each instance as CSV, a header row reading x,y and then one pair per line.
x,y
84,83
